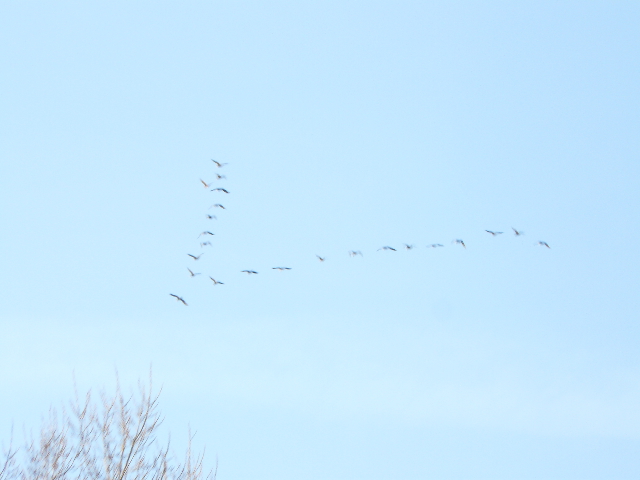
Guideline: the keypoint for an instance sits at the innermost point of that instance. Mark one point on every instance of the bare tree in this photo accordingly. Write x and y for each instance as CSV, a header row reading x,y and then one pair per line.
x,y
115,439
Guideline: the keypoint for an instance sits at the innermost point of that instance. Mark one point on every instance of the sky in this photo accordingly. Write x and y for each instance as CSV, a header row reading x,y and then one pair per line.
x,y
346,126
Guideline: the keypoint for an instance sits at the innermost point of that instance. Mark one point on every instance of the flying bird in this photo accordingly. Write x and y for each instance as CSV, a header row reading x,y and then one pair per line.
x,y
436,245
216,282
179,299
194,257
212,217
517,233
218,164
249,272
217,205
204,244
191,273
544,244
460,242
219,190
493,233
281,268
220,177
353,253
206,185
387,248
408,247
322,259
206,232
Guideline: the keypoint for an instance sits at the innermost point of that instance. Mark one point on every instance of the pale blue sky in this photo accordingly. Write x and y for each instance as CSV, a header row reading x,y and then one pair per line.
x,y
346,126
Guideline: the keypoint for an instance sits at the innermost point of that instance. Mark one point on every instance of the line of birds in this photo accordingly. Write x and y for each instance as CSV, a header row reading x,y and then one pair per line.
x,y
206,232
352,253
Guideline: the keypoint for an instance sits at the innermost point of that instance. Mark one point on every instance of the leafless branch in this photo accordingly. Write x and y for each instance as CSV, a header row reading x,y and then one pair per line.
x,y
8,462
113,440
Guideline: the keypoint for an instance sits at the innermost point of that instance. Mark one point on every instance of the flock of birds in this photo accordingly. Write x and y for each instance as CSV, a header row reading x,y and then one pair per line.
x,y
352,253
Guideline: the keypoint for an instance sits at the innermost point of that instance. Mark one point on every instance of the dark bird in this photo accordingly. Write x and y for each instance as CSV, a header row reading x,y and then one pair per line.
x,y
212,217
191,273
179,299
194,257
322,259
460,242
216,282
217,205
206,185
219,190
436,245
206,232
249,272
281,268
353,253
517,233
204,244
544,244
493,233
387,248
218,164
408,247
220,177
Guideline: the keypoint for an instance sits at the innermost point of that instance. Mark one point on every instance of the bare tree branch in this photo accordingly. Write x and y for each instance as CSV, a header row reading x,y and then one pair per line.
x,y
113,440
8,464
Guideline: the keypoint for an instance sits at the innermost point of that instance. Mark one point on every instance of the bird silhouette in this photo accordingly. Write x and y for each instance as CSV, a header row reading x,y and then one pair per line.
x,y
322,259
206,185
387,248
353,253
218,164
249,272
194,257
217,205
220,177
206,232
409,247
191,273
517,233
460,242
493,233
436,245
212,217
544,244
204,244
216,282
219,190
179,299
281,268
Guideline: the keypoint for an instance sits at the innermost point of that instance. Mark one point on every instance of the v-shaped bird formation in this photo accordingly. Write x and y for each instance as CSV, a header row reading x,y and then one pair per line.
x,y
351,253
